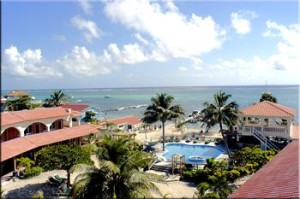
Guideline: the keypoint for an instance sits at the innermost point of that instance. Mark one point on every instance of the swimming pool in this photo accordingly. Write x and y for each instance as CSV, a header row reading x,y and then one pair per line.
x,y
196,150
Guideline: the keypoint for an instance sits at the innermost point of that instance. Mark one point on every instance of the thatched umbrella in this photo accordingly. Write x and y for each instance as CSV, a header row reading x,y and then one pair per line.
x,y
17,93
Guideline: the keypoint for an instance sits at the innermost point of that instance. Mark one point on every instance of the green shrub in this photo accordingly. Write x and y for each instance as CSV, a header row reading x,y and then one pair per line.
x,y
24,162
31,172
38,195
233,175
62,157
211,195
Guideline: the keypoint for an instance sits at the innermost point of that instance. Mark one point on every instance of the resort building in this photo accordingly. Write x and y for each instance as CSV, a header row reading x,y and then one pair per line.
x,y
83,108
128,123
28,130
266,121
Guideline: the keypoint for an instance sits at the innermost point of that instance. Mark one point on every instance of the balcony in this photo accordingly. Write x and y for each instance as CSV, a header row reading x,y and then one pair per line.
x,y
271,131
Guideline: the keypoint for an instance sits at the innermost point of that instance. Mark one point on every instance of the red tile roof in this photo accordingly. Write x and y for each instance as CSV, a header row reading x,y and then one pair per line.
x,y
279,178
12,117
76,107
20,145
132,120
267,108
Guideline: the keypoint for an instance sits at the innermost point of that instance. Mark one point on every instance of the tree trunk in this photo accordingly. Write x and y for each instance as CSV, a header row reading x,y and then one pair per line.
x,y
224,139
163,132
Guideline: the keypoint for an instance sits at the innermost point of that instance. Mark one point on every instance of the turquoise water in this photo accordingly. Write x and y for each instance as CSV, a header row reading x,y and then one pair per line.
x,y
191,98
204,151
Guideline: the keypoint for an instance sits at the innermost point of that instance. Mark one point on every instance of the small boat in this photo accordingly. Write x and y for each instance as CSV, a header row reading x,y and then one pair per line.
x,y
106,96
195,158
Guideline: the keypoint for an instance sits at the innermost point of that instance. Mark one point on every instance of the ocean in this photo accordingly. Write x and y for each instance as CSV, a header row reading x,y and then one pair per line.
x,y
119,102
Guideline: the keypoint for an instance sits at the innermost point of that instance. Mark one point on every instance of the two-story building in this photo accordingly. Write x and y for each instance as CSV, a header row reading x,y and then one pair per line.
x,y
24,131
266,121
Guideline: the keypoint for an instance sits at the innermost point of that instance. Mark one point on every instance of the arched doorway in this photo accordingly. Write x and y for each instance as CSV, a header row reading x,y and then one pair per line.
x,y
9,134
35,128
57,124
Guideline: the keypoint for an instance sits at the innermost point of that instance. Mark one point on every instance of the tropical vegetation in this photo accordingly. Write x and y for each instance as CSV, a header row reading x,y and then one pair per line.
x,y
62,157
90,117
267,96
57,98
119,173
214,180
19,104
162,110
26,165
221,113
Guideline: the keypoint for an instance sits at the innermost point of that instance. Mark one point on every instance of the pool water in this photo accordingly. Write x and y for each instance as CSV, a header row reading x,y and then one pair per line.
x,y
204,151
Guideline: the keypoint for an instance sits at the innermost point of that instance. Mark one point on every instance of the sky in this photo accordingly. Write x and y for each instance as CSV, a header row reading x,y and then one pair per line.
x,y
141,43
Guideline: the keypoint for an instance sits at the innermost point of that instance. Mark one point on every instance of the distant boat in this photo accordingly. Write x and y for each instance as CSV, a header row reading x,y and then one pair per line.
x,y
195,158
106,96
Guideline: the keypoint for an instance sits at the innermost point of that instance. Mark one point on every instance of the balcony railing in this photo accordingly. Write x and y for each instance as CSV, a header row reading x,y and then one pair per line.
x,y
266,130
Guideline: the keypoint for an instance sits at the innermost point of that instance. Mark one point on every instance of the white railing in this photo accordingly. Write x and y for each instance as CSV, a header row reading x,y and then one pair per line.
x,y
264,140
267,130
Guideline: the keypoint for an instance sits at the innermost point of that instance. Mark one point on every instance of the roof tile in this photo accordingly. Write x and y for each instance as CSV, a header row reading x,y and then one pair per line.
x,y
267,108
277,179
20,145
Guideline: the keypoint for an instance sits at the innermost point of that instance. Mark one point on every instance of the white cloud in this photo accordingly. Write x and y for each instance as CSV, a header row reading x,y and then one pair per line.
x,y
139,37
288,47
90,28
130,54
197,63
240,23
27,64
171,32
182,68
280,67
86,6
81,62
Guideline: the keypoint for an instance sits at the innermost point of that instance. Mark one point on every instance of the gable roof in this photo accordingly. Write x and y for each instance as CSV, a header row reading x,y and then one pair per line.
x,y
76,107
12,117
132,120
266,108
279,178
21,145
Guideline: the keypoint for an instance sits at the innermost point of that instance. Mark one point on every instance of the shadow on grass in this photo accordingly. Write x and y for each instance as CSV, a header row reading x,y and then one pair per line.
x,y
28,190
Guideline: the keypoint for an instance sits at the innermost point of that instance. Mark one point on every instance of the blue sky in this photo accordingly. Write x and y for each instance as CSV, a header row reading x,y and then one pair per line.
x,y
134,43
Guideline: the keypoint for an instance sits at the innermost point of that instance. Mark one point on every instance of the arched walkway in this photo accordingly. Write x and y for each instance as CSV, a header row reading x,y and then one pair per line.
x,y
35,128
9,134
57,124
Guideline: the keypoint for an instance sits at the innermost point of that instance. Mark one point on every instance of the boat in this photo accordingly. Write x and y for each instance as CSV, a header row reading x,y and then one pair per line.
x,y
106,96
195,158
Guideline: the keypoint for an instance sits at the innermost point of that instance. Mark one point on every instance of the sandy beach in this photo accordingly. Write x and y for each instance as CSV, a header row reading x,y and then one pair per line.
x,y
170,130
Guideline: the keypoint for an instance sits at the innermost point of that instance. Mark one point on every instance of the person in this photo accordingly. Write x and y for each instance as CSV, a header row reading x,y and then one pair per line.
x,y
63,187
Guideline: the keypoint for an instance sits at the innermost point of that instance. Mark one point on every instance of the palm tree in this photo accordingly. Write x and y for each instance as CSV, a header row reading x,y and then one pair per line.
x,y
19,104
266,96
220,113
56,99
161,110
120,173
